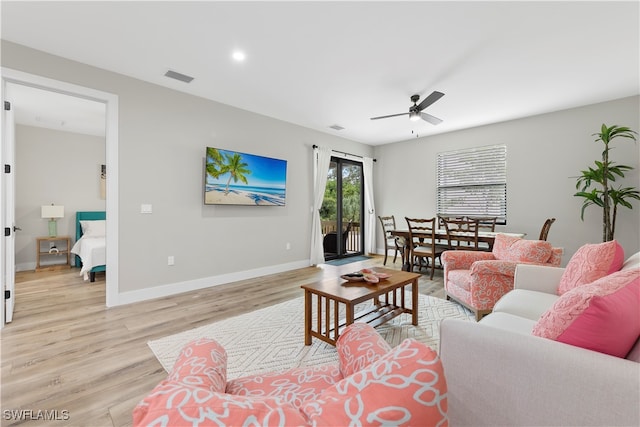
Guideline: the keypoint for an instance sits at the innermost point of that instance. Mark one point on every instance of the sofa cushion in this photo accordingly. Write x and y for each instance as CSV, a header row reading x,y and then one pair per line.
x,y
601,316
632,262
525,303
405,387
461,278
511,248
509,322
201,363
591,262
634,354
358,346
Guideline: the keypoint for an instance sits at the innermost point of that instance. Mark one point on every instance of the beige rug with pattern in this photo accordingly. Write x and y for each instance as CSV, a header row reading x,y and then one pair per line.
x,y
272,338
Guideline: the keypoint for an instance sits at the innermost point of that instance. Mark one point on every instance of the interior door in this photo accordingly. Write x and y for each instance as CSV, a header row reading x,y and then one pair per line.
x,y
8,214
342,209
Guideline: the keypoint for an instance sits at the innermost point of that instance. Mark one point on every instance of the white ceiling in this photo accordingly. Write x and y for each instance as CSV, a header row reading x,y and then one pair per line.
x,y
52,110
318,64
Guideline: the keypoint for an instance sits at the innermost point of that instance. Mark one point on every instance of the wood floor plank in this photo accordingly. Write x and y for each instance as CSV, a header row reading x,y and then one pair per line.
x,y
66,351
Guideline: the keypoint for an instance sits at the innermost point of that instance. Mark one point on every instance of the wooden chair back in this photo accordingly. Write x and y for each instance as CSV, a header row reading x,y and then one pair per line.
x,y
462,233
387,223
486,223
422,231
422,242
544,233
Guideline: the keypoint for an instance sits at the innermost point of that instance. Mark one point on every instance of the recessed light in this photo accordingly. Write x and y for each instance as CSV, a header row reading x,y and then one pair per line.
x,y
238,56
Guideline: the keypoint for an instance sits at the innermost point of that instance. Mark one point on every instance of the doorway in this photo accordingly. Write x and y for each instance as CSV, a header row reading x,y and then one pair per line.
x,y
343,209
111,158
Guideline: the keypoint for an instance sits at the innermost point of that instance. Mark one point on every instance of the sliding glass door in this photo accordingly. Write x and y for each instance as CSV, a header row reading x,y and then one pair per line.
x,y
342,209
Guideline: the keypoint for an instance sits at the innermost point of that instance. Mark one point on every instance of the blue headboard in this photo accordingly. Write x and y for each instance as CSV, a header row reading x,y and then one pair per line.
x,y
86,216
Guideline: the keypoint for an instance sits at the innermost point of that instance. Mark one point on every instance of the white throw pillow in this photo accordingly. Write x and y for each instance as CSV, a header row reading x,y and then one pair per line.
x,y
95,228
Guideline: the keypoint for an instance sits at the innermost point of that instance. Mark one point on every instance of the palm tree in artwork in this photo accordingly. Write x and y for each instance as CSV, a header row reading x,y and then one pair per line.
x,y
214,162
236,169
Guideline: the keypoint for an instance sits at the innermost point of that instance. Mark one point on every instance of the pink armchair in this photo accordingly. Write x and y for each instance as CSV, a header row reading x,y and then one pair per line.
x,y
477,280
371,384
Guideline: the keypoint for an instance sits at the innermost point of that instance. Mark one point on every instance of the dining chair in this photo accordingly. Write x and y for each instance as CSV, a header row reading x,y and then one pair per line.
x,y
441,226
388,223
545,228
485,223
462,233
423,245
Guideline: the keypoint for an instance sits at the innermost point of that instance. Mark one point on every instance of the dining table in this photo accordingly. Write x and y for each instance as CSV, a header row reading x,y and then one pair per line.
x,y
441,234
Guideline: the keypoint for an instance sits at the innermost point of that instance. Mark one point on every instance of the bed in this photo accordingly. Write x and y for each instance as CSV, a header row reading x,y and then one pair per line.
x,y
90,246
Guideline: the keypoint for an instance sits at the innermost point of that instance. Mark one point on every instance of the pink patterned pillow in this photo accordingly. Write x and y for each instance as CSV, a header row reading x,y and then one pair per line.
x,y
359,346
603,316
201,363
510,248
405,387
591,262
173,404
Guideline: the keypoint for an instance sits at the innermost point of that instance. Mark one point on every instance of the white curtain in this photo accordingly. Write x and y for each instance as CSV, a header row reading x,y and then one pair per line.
x,y
321,161
369,208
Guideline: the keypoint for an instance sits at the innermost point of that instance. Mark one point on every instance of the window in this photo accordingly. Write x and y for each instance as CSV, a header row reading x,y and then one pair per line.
x,y
473,182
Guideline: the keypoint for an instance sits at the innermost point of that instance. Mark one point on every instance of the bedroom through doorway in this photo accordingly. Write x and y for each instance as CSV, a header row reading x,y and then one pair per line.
x,y
55,181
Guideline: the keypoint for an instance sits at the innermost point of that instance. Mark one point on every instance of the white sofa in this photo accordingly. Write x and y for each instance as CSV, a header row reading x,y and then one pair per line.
x,y
499,374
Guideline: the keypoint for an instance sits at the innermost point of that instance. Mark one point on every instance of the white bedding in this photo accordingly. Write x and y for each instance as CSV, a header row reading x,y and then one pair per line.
x,y
92,252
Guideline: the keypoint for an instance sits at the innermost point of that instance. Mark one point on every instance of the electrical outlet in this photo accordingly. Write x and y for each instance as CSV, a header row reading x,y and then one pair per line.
x,y
171,260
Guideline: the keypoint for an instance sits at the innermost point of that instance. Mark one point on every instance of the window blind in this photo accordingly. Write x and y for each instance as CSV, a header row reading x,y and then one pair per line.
x,y
473,182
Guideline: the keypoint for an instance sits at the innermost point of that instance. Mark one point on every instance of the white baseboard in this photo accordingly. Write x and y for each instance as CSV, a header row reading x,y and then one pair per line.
x,y
25,266
205,282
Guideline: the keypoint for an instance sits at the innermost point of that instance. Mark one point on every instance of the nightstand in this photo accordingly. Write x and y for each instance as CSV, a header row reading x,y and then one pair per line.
x,y
53,249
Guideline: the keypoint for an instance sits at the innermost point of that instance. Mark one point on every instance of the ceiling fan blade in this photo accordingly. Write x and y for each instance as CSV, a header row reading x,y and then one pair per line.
x,y
431,119
435,95
391,115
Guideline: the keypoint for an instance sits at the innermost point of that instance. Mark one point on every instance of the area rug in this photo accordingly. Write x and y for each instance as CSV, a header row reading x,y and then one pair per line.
x,y
348,260
272,338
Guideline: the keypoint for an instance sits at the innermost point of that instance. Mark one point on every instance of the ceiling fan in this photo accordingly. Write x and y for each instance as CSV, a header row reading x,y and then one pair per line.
x,y
415,111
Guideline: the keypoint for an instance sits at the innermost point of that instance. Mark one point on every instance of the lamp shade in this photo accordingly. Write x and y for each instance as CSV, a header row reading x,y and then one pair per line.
x,y
52,211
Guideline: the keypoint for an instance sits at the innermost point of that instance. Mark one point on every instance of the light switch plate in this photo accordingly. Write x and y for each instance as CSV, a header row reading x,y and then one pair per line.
x,y
146,209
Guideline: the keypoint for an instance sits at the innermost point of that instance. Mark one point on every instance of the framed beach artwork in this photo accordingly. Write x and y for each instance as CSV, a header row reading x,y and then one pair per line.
x,y
234,178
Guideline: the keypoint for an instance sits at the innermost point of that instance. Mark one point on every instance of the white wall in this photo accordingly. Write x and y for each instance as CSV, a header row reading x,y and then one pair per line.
x,y
544,153
53,167
162,138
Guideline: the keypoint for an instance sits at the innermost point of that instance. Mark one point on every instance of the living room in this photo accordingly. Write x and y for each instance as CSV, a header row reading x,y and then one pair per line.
x,y
553,146
162,133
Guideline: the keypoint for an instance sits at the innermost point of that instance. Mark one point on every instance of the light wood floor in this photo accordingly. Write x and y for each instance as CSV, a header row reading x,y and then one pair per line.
x,y
65,351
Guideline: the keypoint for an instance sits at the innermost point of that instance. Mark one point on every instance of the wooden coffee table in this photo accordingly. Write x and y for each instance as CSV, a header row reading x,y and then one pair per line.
x,y
389,301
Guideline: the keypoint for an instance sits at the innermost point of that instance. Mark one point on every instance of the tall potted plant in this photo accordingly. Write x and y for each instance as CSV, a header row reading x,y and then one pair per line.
x,y
602,177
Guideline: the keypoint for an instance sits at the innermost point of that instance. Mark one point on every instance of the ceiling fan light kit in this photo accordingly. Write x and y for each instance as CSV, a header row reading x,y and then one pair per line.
x,y
415,111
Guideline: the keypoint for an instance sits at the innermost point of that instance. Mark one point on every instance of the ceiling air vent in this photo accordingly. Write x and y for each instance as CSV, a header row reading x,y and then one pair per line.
x,y
178,76
336,127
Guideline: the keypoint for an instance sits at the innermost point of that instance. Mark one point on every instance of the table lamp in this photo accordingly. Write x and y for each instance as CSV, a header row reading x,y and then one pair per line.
x,y
52,212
